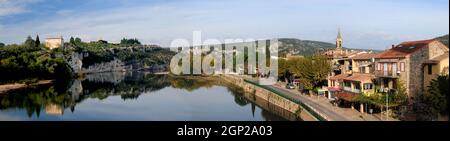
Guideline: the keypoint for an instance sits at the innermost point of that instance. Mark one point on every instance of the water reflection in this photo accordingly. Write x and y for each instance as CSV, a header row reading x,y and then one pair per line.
x,y
138,96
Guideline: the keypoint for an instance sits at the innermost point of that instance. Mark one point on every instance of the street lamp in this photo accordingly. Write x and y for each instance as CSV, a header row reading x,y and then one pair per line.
x,y
386,91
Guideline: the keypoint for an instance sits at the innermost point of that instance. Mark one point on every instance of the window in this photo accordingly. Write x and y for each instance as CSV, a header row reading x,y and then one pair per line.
x,y
378,66
347,84
368,86
358,86
402,66
430,69
385,69
394,69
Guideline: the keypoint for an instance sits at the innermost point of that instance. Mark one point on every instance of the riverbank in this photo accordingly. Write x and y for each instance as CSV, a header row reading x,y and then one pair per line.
x,y
4,88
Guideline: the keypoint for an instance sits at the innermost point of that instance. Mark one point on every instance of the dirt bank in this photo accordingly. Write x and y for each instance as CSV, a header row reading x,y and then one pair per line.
x,y
9,87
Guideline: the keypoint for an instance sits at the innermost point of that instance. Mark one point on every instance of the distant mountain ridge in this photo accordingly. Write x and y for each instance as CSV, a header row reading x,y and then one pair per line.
x,y
305,47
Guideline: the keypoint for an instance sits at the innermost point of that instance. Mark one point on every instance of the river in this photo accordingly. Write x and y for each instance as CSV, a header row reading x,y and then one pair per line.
x,y
138,96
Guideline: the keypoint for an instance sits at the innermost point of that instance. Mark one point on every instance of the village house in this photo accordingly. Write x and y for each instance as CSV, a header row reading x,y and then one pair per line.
x,y
405,62
414,63
53,43
346,74
433,68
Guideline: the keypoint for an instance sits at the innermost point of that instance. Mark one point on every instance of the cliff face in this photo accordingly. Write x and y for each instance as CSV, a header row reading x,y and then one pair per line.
x,y
75,62
96,60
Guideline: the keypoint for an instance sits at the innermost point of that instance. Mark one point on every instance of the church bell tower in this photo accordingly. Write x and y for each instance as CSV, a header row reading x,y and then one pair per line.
x,y
339,40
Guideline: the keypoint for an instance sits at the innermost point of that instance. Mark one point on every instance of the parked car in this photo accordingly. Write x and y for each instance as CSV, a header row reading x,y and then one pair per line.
x,y
290,86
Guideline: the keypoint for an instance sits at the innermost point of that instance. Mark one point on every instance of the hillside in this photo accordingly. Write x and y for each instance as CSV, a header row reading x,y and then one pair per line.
x,y
301,47
443,39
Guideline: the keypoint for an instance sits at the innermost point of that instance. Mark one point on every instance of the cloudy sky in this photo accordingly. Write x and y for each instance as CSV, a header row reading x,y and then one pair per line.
x,y
372,24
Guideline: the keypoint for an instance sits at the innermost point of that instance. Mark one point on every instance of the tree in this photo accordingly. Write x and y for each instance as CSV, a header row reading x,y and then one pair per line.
x,y
401,98
283,70
102,42
436,99
38,42
313,71
2,44
30,42
134,41
72,41
78,41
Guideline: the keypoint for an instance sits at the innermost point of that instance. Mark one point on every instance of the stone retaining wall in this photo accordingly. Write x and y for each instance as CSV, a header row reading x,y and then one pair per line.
x,y
272,98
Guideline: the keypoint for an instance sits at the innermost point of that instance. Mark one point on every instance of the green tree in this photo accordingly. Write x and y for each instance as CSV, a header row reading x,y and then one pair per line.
x,y
2,44
78,41
401,98
437,97
29,42
313,71
38,42
72,41
283,69
134,41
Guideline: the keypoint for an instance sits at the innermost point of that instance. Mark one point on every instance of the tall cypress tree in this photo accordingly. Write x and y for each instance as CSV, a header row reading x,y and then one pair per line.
x,y
72,41
38,42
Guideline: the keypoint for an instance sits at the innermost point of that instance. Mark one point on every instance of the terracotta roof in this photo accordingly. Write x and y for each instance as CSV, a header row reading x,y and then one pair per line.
x,y
364,56
360,77
347,96
338,77
405,48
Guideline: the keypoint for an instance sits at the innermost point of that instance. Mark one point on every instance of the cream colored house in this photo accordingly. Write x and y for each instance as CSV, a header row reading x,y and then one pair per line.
x,y
435,67
53,43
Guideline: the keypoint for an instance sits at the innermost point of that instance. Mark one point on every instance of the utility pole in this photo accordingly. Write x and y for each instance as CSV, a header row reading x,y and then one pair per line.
x,y
386,92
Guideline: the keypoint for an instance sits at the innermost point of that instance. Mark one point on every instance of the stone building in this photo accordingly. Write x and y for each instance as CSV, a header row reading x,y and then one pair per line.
x,y
405,62
53,43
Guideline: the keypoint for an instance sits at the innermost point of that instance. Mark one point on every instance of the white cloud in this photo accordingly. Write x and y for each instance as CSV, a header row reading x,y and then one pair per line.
x,y
366,24
151,24
12,7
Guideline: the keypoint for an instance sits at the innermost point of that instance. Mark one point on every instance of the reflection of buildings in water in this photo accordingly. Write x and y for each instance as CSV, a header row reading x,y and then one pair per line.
x,y
53,109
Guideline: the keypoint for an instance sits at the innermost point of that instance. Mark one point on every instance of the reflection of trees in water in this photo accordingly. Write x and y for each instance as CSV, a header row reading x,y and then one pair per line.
x,y
191,83
59,96
131,87
35,99
55,99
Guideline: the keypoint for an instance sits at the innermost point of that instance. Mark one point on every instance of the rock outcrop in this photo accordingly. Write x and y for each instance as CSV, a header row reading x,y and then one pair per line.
x,y
75,62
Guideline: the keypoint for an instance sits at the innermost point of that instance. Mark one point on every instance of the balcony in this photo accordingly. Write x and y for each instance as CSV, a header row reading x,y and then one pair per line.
x,y
386,74
348,89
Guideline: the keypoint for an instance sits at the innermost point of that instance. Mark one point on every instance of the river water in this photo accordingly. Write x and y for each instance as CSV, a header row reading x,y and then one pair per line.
x,y
138,96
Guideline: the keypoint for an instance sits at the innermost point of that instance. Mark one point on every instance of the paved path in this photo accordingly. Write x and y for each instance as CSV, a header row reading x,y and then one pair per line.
x,y
324,107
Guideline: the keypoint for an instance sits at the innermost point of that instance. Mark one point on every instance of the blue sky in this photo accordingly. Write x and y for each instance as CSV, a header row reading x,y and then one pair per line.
x,y
374,24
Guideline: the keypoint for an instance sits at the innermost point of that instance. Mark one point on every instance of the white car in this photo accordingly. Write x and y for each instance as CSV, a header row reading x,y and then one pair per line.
x,y
290,86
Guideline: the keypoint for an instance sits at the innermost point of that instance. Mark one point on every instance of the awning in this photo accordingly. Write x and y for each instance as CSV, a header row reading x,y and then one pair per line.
x,y
334,89
347,96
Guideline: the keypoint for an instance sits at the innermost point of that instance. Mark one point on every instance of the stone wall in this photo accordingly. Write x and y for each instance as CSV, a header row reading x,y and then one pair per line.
x,y
272,98
416,66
